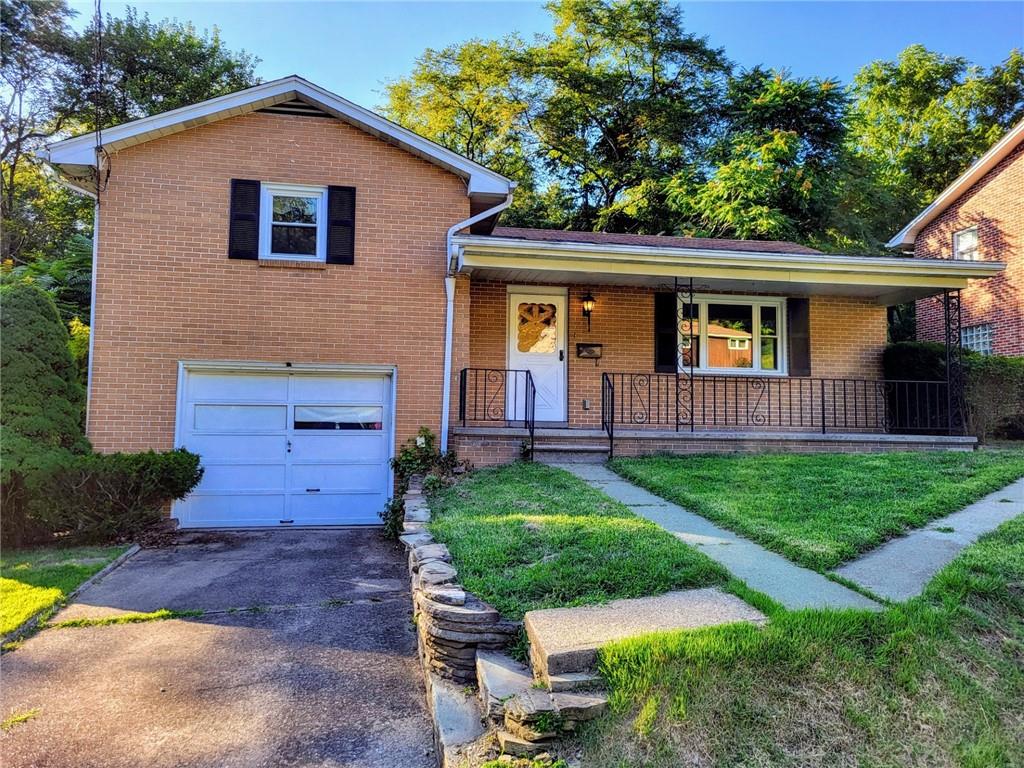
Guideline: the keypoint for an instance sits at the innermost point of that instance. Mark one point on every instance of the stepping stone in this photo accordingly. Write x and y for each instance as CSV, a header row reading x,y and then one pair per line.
x,y
500,678
566,640
456,715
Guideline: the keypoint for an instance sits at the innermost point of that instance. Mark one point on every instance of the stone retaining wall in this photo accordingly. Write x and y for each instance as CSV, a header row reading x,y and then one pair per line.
x,y
452,624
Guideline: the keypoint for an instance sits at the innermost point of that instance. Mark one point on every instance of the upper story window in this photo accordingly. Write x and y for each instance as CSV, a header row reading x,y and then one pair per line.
x,y
965,244
732,334
292,222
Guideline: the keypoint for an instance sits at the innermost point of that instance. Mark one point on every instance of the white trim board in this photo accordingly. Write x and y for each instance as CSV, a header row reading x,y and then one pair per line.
x,y
80,151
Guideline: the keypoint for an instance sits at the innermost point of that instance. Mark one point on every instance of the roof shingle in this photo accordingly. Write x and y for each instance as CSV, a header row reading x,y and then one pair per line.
x,y
654,241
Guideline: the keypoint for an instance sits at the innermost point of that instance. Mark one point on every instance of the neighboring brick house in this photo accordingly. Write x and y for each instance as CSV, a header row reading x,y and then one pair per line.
x,y
292,286
979,217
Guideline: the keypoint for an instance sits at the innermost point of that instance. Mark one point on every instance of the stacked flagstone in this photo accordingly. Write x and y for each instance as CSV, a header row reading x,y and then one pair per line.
x,y
453,624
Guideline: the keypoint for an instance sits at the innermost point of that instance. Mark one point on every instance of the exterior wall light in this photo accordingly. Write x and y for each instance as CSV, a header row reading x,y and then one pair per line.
x,y
588,306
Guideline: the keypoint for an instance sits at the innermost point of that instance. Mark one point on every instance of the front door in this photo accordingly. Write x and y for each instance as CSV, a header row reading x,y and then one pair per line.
x,y
537,333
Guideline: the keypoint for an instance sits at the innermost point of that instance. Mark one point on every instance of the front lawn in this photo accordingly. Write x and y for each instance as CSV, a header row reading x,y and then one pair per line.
x,y
32,580
823,509
938,681
528,536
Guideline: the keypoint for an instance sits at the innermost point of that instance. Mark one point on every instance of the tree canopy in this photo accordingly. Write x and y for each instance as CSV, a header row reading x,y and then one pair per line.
x,y
620,119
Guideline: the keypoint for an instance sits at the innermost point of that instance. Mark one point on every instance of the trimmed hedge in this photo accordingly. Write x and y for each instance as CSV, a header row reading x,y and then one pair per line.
x,y
994,385
50,482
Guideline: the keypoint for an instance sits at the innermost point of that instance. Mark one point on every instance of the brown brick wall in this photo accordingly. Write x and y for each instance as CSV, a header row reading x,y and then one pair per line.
x,y
847,338
995,204
166,290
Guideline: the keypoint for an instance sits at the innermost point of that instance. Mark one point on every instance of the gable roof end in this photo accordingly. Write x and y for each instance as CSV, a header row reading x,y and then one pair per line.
x,y
76,154
906,236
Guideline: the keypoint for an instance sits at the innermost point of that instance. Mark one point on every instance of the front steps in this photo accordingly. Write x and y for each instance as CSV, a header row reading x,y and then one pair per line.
x,y
572,450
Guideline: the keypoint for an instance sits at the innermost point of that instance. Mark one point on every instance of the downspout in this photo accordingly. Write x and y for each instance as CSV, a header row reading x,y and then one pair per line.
x,y
449,316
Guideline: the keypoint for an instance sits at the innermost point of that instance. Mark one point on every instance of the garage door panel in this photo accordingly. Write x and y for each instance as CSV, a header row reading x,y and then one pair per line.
x,y
229,386
332,477
232,417
250,477
351,389
347,446
232,510
353,508
254,448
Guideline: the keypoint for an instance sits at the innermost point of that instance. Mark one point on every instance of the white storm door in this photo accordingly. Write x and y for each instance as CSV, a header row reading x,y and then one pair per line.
x,y
537,333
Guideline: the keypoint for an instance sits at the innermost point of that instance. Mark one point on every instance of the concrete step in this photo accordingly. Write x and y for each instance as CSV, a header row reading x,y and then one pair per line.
x,y
560,456
572,447
564,641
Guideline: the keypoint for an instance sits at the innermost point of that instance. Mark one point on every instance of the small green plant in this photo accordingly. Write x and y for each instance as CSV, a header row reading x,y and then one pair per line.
x,y
417,456
18,718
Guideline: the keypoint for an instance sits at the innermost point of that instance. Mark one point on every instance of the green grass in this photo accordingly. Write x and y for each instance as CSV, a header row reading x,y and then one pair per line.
x,y
34,580
938,681
820,510
163,614
529,536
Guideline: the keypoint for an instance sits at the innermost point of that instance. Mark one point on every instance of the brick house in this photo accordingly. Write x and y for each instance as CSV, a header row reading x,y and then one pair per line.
x,y
979,217
292,286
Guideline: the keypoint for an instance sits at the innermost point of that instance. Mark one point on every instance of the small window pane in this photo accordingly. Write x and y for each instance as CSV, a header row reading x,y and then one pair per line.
x,y
730,331
239,418
965,244
537,332
295,210
300,241
769,353
769,321
339,417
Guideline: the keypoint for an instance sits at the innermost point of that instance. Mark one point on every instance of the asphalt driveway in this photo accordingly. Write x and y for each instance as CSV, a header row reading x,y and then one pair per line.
x,y
304,655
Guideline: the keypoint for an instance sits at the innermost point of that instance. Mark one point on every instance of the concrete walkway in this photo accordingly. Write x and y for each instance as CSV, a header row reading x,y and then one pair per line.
x,y
786,583
899,569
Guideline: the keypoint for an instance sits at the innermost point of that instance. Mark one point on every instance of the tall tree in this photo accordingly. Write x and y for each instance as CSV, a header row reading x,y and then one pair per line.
x,y
776,164
50,86
918,122
149,67
619,97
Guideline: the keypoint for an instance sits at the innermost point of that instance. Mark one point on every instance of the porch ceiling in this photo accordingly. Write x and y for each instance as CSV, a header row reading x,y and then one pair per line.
x,y
883,280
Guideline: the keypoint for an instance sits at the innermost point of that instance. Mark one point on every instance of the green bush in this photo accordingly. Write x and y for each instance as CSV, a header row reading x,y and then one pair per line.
x,y
994,385
99,497
41,402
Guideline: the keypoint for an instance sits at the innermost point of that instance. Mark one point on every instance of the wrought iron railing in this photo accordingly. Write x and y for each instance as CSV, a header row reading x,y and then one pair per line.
x,y
608,411
668,401
498,395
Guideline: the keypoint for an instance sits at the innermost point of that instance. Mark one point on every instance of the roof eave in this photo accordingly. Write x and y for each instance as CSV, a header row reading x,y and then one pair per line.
x,y
80,150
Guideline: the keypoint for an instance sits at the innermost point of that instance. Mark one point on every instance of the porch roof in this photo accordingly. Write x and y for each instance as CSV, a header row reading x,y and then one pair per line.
x,y
885,280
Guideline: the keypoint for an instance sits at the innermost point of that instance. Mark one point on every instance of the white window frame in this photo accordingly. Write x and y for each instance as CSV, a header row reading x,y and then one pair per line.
x,y
267,193
956,244
703,300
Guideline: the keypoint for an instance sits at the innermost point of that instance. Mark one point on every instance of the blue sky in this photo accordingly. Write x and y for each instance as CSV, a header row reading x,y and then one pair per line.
x,y
352,48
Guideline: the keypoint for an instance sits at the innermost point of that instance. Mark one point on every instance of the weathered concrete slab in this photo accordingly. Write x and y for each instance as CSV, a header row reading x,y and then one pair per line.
x,y
785,582
900,569
565,640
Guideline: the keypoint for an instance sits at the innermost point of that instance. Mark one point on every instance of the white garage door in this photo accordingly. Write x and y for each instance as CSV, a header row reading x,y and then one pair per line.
x,y
285,449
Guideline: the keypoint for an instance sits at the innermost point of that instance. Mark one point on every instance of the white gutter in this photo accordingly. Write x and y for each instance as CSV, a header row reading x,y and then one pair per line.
x,y
449,316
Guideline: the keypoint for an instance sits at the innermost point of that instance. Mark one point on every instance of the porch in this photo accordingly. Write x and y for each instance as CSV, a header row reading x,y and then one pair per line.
x,y
602,348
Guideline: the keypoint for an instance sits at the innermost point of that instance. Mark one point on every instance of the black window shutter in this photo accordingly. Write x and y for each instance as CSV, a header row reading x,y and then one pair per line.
x,y
341,225
244,232
798,330
665,332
